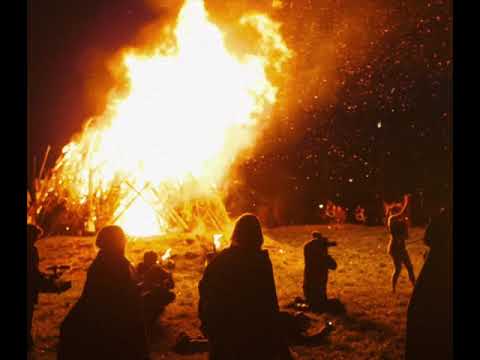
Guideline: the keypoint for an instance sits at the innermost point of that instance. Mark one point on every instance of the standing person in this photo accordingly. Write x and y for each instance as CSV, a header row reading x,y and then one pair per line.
x,y
317,264
107,321
238,305
398,227
36,280
429,314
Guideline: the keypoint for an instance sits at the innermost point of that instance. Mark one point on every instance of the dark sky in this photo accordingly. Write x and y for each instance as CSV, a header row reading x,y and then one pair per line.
x,y
67,44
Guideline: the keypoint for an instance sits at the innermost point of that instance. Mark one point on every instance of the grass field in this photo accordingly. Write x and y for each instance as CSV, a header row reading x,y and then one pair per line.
x,y
373,328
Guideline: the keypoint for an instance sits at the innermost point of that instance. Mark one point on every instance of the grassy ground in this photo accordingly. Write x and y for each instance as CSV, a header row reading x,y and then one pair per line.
x,y
373,328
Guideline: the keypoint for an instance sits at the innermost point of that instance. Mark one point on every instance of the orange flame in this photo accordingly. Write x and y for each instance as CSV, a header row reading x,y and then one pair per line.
x,y
217,241
167,255
190,109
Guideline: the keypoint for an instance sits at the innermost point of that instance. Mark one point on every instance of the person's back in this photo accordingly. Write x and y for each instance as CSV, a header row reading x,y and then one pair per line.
x,y
238,305
429,315
107,320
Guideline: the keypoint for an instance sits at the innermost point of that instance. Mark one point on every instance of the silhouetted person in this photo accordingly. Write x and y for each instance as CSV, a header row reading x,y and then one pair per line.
x,y
107,321
398,227
238,305
150,258
429,315
317,264
36,281
155,285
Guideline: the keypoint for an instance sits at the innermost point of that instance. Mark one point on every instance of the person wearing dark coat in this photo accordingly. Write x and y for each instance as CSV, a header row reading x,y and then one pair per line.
x,y
156,285
36,280
429,314
107,321
238,305
317,264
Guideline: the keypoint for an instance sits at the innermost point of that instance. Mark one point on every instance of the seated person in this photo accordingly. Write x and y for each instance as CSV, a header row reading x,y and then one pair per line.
x,y
155,285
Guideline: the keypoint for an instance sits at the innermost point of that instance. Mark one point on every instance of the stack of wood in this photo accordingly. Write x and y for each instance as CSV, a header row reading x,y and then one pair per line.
x,y
70,199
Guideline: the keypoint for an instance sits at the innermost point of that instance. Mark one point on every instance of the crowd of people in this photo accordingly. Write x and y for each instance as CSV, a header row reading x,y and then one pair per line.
x,y
238,307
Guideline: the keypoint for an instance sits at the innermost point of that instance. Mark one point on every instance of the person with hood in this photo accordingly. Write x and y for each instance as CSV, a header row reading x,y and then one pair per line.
x,y
36,280
429,314
156,285
238,305
317,265
107,320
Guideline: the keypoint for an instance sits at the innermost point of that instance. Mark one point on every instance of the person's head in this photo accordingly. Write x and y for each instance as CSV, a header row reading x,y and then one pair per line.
x,y
150,258
34,233
111,239
322,239
247,232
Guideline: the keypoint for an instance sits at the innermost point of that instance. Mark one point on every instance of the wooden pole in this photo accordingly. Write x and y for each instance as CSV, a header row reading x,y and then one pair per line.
x,y
172,211
44,162
128,205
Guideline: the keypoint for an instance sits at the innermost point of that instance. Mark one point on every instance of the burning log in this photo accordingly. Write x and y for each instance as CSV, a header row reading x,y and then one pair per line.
x,y
137,195
44,162
171,211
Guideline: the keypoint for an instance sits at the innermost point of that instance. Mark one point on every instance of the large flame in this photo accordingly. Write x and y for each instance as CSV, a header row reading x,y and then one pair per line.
x,y
190,108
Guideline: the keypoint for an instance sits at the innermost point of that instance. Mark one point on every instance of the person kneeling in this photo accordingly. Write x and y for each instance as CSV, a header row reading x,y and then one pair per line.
x,y
317,264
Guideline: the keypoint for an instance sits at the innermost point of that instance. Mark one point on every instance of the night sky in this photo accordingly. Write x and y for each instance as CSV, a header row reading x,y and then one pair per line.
x,y
365,107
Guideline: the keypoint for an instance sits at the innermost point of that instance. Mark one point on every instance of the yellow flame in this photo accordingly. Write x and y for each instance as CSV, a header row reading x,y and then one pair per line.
x,y
190,109
167,255
217,241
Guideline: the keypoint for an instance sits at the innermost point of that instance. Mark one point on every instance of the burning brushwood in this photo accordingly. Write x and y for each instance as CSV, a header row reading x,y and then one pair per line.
x,y
141,142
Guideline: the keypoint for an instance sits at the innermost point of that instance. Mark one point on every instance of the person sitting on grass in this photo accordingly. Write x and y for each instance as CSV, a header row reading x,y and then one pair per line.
x,y
238,305
155,285
107,320
317,265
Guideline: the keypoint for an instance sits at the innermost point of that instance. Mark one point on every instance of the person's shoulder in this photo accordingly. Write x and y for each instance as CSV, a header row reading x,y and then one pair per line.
x,y
221,258
309,243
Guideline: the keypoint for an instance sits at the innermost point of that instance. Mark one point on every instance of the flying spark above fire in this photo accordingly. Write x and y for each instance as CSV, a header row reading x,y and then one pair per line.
x,y
189,110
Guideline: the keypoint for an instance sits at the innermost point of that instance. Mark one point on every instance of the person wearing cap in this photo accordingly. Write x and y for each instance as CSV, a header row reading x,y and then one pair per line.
x,y
107,320
36,280
238,305
317,264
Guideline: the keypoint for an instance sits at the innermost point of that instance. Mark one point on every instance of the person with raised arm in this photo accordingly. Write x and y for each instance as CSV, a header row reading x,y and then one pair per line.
x,y
397,226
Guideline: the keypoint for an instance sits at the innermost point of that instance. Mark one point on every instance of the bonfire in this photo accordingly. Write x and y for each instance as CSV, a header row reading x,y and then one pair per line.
x,y
156,160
